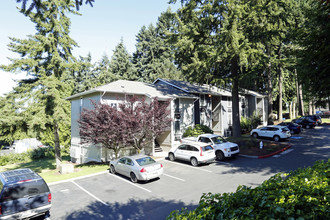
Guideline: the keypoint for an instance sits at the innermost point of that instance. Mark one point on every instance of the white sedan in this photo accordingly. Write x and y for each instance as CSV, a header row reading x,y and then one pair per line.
x,y
137,167
272,131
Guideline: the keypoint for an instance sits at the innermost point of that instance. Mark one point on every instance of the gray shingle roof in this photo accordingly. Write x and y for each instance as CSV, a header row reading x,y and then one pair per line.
x,y
136,88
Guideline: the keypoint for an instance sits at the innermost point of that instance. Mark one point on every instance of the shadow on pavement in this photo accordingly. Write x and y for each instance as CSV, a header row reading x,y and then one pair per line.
x,y
134,210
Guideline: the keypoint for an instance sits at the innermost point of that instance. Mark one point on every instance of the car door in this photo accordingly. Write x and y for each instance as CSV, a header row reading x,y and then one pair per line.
x,y
128,166
120,166
263,132
181,152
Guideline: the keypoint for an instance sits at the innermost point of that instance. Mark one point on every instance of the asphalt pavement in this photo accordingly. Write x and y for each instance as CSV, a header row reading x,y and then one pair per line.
x,y
108,196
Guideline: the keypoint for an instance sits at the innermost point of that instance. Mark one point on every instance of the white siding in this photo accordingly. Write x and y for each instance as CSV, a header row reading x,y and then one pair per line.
x,y
79,153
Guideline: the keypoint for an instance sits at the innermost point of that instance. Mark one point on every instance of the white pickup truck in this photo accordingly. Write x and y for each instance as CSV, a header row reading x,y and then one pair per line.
x,y
221,147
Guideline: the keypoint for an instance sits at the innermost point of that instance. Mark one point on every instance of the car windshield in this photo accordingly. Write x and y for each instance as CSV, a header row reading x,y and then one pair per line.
x,y
285,129
145,161
218,140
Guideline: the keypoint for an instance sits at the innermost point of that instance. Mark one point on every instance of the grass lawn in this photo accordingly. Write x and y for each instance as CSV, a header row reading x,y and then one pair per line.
x,y
47,169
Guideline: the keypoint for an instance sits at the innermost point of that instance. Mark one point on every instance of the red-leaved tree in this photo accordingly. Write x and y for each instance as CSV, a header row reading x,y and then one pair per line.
x,y
134,123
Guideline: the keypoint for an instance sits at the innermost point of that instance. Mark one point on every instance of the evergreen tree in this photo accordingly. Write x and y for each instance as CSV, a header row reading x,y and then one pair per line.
x,y
121,65
46,57
213,44
314,55
102,69
84,77
153,58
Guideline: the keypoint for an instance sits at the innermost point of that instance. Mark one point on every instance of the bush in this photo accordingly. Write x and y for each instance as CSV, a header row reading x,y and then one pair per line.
x,y
35,154
246,125
14,158
197,130
40,153
303,194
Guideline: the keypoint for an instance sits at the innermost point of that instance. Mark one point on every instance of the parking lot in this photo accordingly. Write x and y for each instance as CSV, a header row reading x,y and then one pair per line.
x,y
108,196
115,197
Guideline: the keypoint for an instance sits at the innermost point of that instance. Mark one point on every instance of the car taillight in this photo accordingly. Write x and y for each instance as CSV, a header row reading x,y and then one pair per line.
x,y
49,197
201,154
0,210
143,170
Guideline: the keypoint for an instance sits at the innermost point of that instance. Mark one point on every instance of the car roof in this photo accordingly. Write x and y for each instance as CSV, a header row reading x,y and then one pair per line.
x,y
18,175
137,156
273,126
209,135
196,144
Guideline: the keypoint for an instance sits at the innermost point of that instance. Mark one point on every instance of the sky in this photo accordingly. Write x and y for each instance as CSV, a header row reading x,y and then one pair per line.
x,y
98,30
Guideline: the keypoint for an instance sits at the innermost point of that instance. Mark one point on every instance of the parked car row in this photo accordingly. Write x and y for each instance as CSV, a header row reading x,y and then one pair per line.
x,y
203,149
284,130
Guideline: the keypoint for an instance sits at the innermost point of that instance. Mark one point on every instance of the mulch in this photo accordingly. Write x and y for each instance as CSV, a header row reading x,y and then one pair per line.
x,y
252,147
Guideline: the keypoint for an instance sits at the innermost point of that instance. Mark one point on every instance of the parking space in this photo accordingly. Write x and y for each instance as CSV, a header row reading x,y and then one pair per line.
x,y
181,185
108,196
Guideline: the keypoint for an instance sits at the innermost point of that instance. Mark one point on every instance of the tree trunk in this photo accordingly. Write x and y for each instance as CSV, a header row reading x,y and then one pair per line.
x,y
280,85
57,146
301,102
310,107
270,93
235,99
290,110
298,96
294,110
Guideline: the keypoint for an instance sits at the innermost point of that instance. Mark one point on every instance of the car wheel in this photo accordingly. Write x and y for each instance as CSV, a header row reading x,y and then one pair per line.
x,y
276,138
219,155
171,157
133,178
292,131
255,135
194,161
112,169
308,127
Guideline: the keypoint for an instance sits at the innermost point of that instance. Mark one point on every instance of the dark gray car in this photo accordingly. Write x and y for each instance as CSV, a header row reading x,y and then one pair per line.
x,y
23,194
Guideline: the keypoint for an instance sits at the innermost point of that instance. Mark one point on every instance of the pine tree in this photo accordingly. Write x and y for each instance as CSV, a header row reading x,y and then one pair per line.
x,y
46,58
153,57
213,44
121,65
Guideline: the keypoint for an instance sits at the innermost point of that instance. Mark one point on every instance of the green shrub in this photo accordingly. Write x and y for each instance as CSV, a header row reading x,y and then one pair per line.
x,y
35,154
197,130
246,125
40,153
14,158
255,120
303,194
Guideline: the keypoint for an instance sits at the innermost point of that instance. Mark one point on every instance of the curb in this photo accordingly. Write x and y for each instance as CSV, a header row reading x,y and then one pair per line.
x,y
268,155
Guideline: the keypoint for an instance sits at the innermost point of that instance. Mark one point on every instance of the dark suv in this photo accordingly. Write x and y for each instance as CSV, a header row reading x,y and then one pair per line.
x,y
23,194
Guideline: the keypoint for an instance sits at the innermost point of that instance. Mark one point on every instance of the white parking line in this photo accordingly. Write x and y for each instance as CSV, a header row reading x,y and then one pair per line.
x,y
287,151
134,184
197,168
283,153
174,177
220,162
89,193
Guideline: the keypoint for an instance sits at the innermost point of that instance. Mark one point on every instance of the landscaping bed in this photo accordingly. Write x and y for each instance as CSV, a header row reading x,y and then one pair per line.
x,y
251,146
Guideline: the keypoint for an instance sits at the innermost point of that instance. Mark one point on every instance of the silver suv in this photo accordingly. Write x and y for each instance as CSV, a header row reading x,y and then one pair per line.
x,y
196,153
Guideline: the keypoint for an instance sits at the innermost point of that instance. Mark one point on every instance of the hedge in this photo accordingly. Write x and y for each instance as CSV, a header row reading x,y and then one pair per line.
x,y
302,194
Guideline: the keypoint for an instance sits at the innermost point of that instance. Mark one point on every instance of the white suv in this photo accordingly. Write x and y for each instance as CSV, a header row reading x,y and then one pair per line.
x,y
196,153
272,131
